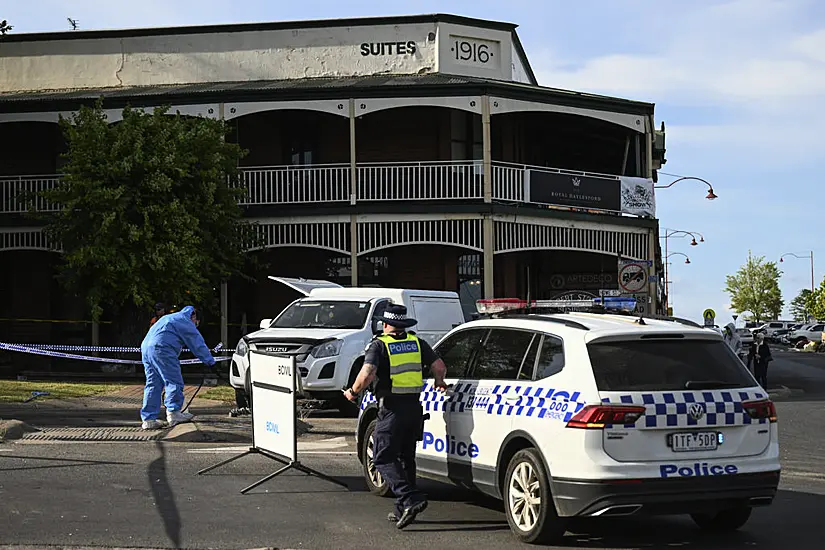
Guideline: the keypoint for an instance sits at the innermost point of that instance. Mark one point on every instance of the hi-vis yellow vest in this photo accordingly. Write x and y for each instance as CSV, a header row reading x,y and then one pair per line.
x,y
405,364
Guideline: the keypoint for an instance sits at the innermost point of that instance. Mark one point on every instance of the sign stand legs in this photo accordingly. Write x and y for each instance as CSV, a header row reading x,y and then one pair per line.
x,y
287,466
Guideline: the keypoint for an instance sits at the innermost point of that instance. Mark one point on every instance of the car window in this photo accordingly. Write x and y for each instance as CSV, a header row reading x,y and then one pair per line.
x,y
528,363
666,365
501,355
456,350
817,328
551,360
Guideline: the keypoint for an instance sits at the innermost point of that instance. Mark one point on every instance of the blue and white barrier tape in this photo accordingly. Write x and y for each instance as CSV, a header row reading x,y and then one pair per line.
x,y
47,353
109,349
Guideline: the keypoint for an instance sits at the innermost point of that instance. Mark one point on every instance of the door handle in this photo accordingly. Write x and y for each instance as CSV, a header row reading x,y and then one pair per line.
x,y
512,397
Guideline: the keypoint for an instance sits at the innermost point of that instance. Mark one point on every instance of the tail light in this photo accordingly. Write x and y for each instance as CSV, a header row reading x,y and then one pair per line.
x,y
760,409
598,416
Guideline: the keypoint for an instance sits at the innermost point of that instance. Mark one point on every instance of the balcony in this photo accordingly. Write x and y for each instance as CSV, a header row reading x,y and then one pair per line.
x,y
387,182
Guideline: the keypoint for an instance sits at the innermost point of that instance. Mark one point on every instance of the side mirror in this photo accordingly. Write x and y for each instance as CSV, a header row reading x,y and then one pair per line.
x,y
377,327
265,323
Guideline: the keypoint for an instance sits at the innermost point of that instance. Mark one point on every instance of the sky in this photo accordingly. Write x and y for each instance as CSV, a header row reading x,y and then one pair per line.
x,y
740,86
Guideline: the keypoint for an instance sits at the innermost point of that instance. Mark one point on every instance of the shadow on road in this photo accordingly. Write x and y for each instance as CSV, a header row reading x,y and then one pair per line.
x,y
164,496
791,522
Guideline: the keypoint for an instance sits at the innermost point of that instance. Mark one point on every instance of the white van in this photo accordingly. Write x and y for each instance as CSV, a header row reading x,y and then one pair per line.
x,y
329,329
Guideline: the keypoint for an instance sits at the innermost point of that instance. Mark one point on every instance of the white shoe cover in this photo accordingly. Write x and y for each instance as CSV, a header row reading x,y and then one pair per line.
x,y
176,417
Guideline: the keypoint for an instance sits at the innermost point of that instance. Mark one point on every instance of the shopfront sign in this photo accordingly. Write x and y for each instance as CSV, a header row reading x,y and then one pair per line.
x,y
574,190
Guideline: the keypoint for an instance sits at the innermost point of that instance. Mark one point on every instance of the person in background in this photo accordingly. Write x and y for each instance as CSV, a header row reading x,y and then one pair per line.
x,y
761,357
160,311
732,339
160,352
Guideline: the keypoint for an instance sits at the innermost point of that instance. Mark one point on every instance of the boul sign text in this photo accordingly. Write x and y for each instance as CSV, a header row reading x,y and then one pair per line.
x,y
388,48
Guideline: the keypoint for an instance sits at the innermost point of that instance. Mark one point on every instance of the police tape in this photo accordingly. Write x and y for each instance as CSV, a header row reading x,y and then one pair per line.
x,y
27,349
105,349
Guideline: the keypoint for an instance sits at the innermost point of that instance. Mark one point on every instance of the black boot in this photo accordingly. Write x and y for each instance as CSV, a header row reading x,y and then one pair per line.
x,y
410,513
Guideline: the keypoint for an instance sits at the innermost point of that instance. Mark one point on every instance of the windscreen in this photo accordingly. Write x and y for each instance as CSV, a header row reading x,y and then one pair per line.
x,y
324,314
666,365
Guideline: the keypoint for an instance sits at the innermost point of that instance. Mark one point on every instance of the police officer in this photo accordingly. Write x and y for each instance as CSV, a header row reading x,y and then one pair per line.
x,y
395,360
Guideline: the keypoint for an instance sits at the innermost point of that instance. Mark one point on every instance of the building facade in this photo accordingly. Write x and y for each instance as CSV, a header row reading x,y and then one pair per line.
x,y
413,152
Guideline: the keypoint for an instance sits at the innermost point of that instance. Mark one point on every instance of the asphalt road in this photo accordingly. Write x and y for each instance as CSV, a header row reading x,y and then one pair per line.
x,y
148,494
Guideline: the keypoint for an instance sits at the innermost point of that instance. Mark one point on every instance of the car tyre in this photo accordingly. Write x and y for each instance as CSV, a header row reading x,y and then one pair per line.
x,y
376,484
725,520
528,501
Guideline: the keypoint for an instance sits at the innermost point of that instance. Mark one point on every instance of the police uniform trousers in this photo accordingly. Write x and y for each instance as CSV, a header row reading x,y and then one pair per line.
x,y
396,434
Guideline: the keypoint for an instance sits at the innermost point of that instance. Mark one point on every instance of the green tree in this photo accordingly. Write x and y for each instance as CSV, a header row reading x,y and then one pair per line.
x,y
148,210
800,306
755,288
816,302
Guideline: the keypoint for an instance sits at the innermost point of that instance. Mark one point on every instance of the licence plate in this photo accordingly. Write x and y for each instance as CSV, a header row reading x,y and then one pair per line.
x,y
693,441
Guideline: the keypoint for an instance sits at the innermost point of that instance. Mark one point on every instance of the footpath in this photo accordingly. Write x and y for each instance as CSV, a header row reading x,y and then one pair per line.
x,y
115,417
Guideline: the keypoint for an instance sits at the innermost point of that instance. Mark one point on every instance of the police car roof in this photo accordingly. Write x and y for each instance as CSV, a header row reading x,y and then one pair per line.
x,y
598,325
370,293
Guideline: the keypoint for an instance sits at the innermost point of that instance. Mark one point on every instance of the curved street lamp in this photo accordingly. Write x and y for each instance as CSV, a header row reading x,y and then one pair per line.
x,y
811,256
687,260
680,233
710,196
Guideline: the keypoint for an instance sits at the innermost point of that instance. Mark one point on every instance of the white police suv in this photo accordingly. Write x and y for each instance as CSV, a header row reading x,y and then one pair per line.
x,y
594,414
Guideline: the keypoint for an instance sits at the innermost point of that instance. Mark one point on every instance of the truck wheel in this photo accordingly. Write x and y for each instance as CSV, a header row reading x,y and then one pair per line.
x,y
726,520
248,389
375,482
528,501
346,407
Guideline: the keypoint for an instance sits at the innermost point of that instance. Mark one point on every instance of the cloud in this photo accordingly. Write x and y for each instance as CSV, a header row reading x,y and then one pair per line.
x,y
756,60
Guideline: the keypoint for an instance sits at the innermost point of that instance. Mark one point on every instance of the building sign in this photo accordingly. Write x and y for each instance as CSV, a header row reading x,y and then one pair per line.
x,y
475,52
388,48
574,295
568,190
589,281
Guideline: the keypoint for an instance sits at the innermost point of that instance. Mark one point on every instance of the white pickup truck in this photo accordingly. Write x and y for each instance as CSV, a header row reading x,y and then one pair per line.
x,y
329,328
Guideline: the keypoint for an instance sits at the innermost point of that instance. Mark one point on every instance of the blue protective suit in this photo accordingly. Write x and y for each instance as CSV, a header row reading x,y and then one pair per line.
x,y
160,351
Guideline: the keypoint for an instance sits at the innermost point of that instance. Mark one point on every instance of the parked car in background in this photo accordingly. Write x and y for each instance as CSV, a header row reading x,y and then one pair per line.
x,y
806,333
771,327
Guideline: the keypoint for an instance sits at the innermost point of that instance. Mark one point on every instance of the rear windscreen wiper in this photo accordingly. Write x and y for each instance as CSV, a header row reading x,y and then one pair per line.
x,y
708,385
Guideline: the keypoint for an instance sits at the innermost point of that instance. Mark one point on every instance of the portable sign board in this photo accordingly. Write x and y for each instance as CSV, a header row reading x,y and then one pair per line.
x,y
275,386
273,395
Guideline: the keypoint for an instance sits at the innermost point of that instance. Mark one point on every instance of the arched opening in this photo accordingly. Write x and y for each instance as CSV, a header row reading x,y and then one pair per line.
x,y
31,148
418,134
35,309
292,138
554,274
566,141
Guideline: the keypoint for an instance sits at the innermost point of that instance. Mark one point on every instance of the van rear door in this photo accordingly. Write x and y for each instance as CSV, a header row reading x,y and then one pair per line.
x,y
697,400
436,316
305,286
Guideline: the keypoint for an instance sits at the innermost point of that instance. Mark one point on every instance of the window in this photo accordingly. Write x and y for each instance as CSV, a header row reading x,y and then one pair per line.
x,y
551,360
666,365
307,314
502,354
457,349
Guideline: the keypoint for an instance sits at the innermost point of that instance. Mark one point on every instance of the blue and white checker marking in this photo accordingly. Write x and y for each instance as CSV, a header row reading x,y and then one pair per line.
x,y
534,401
670,409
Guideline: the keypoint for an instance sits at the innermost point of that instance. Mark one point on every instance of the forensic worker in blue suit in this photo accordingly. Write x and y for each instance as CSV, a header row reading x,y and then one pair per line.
x,y
160,351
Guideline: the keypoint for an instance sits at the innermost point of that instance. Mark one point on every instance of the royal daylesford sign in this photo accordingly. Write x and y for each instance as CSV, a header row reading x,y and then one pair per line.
x,y
622,194
574,190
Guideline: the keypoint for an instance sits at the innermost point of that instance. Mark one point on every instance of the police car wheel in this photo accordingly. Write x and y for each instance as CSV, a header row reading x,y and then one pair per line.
x,y
375,482
528,502
726,520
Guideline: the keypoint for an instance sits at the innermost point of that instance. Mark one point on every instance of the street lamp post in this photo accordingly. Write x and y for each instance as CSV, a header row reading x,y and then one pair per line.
x,y
710,196
672,233
667,293
811,256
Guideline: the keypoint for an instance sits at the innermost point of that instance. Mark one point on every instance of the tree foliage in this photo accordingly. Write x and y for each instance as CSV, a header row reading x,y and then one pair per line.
x,y
800,306
755,288
815,303
149,208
